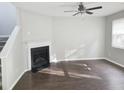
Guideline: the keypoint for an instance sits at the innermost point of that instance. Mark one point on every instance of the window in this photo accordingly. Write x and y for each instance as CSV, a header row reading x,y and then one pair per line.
x,y
118,33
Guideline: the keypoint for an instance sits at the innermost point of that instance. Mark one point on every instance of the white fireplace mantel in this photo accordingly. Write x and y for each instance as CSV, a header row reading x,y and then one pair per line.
x,y
35,45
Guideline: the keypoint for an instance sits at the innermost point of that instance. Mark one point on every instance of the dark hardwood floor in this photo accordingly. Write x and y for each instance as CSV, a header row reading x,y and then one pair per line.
x,y
75,75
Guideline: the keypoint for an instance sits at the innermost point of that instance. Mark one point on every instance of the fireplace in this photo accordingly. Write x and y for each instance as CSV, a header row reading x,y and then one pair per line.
x,y
39,58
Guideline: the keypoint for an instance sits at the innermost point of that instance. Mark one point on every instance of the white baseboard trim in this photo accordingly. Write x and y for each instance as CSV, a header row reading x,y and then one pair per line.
x,y
80,59
114,62
17,80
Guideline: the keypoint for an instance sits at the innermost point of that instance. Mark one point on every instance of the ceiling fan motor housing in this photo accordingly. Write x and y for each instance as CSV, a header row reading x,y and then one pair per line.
x,y
81,8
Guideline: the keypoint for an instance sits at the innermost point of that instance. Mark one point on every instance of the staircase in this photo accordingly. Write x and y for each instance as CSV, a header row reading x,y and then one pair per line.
x,y
2,43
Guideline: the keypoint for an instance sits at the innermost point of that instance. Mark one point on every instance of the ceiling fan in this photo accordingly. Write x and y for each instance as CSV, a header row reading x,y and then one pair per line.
x,y
82,9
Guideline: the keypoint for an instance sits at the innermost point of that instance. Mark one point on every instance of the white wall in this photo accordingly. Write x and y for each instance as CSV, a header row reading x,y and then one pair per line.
x,y
114,54
12,60
79,38
35,27
7,18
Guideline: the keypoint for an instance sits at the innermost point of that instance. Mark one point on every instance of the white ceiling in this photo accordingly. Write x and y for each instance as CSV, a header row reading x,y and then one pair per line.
x,y
58,8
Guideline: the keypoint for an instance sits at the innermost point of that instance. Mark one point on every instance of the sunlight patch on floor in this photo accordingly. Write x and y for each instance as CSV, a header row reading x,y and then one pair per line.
x,y
70,74
77,75
53,72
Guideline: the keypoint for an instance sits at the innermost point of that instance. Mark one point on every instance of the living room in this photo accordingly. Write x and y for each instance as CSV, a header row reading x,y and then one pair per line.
x,y
54,45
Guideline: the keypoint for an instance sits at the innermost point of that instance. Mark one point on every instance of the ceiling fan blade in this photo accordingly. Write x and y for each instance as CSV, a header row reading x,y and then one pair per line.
x,y
99,7
89,12
76,14
71,11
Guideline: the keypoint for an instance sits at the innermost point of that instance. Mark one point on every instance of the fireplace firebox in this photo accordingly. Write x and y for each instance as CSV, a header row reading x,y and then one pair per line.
x,y
39,58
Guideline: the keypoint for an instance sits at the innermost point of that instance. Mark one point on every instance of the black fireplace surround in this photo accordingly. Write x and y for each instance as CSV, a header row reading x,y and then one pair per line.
x,y
39,58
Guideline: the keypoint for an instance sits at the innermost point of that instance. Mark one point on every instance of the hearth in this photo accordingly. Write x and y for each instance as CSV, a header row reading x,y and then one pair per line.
x,y
39,58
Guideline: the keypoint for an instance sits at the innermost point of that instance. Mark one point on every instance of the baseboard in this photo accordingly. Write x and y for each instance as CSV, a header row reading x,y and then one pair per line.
x,y
17,80
114,62
80,59
109,60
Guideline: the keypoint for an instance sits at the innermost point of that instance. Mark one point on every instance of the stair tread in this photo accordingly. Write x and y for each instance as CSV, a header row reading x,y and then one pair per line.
x,y
2,43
